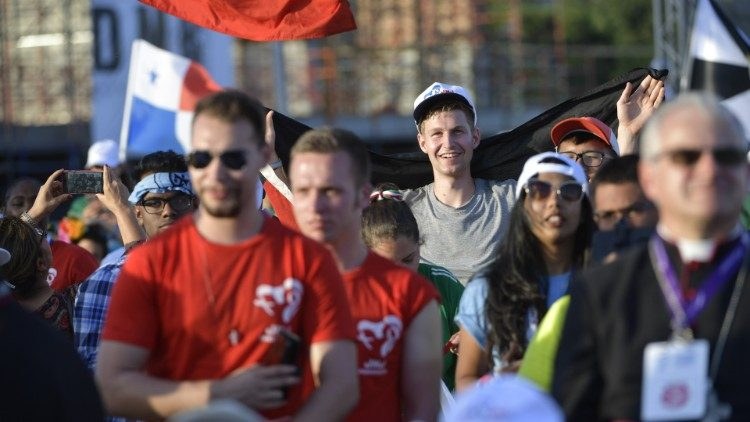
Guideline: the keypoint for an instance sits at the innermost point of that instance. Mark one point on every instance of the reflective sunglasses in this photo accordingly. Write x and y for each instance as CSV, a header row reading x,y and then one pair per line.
x,y
232,159
588,158
570,191
722,156
178,203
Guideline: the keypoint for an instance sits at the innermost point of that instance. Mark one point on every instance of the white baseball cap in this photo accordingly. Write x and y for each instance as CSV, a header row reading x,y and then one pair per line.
x,y
438,91
104,152
568,167
506,398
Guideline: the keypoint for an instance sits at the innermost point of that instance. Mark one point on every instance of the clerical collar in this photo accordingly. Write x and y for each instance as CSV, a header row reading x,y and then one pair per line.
x,y
701,250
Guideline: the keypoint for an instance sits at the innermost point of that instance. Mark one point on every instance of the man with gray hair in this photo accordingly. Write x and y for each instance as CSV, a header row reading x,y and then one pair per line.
x,y
662,333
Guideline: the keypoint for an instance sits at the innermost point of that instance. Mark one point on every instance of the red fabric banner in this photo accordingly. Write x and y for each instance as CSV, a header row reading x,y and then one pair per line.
x,y
264,20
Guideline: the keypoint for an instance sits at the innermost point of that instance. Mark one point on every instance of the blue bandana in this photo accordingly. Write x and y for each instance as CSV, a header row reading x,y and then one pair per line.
x,y
161,183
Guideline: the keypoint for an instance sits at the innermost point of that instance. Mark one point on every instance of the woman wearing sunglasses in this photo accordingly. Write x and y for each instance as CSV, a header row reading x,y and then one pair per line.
x,y
549,233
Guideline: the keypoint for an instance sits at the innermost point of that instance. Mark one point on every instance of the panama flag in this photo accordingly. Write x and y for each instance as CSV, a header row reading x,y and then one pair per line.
x,y
163,89
719,52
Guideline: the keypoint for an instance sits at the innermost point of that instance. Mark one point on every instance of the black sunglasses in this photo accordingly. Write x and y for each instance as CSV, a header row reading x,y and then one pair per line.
x,y
232,159
722,156
538,190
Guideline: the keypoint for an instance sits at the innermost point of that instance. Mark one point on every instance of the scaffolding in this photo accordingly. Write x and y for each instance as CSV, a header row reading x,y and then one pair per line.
x,y
45,62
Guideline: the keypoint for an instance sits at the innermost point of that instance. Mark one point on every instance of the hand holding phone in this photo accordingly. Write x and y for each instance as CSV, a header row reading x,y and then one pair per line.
x,y
284,351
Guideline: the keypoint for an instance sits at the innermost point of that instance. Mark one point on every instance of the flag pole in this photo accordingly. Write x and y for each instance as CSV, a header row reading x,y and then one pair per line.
x,y
280,77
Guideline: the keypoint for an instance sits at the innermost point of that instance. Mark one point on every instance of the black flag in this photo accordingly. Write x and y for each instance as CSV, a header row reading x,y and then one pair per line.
x,y
499,156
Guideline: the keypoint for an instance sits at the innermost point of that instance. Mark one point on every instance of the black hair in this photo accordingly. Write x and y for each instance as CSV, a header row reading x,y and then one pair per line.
x,y
160,162
387,218
618,170
516,280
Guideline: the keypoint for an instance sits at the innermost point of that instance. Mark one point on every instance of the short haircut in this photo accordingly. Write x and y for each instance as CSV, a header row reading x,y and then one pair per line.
x,y
702,102
387,218
332,140
232,106
619,170
448,104
160,162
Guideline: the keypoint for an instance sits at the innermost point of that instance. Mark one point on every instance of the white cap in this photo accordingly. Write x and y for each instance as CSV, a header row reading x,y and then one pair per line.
x,y
437,91
104,152
535,166
506,398
4,256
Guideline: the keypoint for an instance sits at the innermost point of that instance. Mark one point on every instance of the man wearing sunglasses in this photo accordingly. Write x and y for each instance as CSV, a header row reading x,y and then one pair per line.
x,y
661,332
203,311
162,195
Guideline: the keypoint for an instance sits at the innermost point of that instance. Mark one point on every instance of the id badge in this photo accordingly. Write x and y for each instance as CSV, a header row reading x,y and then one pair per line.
x,y
675,380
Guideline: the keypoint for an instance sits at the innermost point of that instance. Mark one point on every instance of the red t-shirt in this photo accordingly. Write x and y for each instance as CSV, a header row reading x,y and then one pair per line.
x,y
278,278
71,264
384,299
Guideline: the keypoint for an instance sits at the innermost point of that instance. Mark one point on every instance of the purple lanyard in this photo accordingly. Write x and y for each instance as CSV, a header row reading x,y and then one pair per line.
x,y
683,311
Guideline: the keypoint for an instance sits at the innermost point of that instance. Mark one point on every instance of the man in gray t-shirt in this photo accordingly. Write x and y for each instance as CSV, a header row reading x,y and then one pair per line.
x,y
462,220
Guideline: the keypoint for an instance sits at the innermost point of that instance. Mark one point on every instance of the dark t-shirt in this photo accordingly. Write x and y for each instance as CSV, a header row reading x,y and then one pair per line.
x,y
43,379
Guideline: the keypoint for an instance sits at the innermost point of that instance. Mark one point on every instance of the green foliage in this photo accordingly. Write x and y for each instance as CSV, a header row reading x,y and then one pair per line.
x,y
600,22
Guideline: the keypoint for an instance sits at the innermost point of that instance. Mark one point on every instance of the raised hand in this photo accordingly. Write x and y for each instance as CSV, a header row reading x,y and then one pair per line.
x,y
634,108
51,195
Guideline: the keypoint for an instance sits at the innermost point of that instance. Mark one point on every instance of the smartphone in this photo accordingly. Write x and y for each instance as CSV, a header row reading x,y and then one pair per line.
x,y
284,351
83,181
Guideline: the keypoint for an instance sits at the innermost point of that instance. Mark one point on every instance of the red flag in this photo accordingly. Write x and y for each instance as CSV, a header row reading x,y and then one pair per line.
x,y
264,20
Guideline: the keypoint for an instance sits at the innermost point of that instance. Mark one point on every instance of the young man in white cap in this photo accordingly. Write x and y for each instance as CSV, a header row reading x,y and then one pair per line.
x,y
462,219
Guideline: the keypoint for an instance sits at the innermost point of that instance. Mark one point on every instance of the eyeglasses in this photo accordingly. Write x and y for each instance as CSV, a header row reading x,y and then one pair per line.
x,y
613,216
722,156
232,159
587,158
178,203
538,190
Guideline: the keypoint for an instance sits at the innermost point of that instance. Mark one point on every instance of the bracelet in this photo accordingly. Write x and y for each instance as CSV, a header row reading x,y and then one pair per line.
x,y
26,218
275,164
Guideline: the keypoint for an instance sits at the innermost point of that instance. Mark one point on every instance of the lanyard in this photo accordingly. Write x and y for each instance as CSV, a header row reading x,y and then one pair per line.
x,y
683,311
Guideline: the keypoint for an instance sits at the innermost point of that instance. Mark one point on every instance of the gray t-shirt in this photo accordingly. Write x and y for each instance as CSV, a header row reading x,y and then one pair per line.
x,y
464,239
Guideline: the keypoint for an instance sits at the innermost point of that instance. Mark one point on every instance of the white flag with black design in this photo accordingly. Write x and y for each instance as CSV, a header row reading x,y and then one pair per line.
x,y
719,53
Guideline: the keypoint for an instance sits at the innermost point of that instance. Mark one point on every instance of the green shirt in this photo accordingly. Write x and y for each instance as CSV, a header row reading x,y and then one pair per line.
x,y
450,295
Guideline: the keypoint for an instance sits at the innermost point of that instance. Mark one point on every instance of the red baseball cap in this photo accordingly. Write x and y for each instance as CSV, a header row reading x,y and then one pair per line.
x,y
594,126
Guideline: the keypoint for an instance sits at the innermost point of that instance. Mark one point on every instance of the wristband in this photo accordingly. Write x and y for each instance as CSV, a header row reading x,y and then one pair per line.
x,y
26,218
